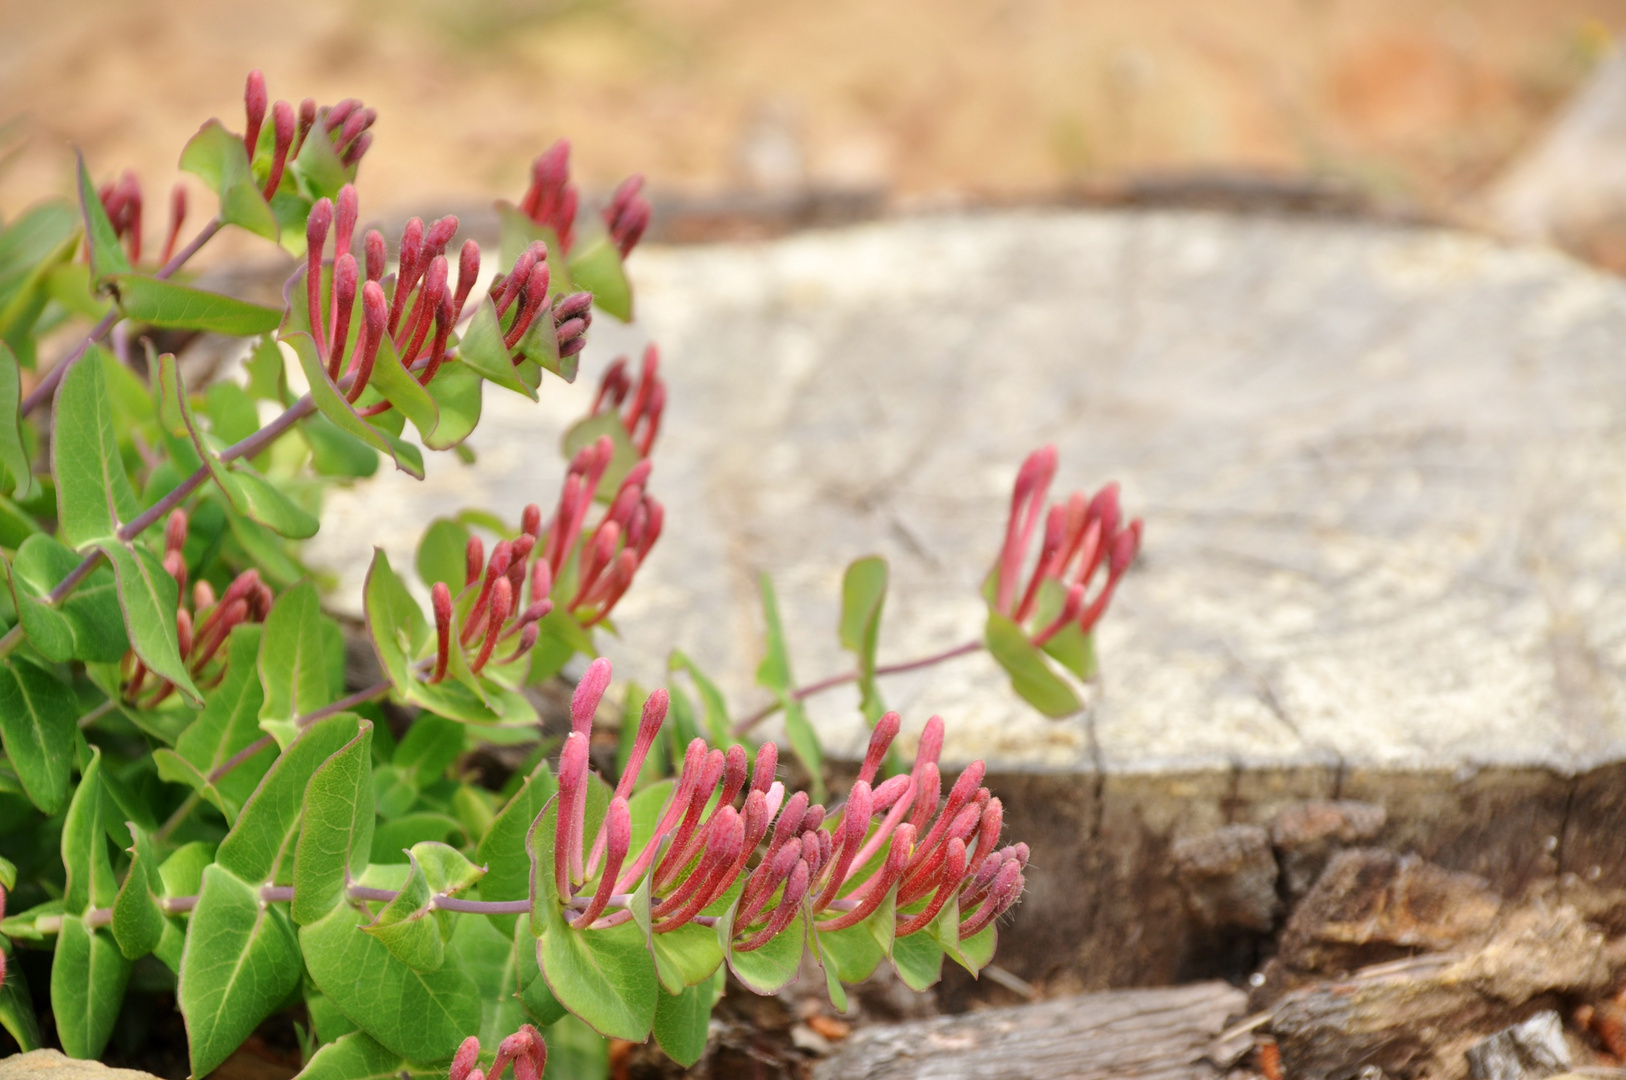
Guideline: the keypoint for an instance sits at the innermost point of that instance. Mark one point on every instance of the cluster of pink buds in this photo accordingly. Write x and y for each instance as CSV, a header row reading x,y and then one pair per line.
x,y
552,201
521,295
344,125
936,849
1080,535
525,1049
642,416
628,214
612,553
122,203
498,607
201,631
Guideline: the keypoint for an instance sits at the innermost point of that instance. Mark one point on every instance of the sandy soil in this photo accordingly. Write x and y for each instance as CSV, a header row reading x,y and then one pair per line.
x,y
1417,99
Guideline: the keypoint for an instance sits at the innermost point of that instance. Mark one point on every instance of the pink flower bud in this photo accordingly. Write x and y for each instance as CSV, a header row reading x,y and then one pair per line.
x,y
502,600
530,521
652,531
307,120
316,227
767,763
1005,891
541,580
407,270
589,692
572,779
931,742
616,838
474,557
795,889
880,739
813,819
175,565
373,246
468,1055
735,761
177,218
927,787
344,219
649,726
372,310
468,269
175,531
440,598
993,818
336,116
890,791
254,100
1027,502
282,123
1125,545
203,597
790,818
344,301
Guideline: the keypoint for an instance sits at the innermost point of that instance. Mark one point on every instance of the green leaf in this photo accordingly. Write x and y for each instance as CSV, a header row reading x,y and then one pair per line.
x,y
87,626
502,850
292,656
863,594
488,956
166,304
394,835
106,256
267,373
683,1021
228,724
260,846
240,963
1031,676
335,829
771,968
318,171
974,952
138,922
431,746
395,622
231,410
84,845
1074,650
534,994
17,1008
149,598
334,453
409,926
332,404
596,266
249,493
13,454
919,961
441,554
401,388
15,524
88,976
357,1056
220,160
605,977
93,492
483,351
422,1016
38,715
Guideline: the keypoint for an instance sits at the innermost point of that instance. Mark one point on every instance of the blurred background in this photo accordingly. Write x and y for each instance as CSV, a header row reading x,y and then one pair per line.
x,y
789,111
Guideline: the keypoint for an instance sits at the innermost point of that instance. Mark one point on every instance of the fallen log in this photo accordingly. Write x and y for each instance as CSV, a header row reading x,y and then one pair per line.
x,y
1159,1034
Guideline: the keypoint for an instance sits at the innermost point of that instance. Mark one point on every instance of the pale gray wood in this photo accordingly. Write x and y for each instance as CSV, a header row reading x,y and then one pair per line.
x,y
1150,1034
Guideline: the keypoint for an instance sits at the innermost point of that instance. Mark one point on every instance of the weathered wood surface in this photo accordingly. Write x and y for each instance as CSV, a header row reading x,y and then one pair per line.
x,y
1150,1034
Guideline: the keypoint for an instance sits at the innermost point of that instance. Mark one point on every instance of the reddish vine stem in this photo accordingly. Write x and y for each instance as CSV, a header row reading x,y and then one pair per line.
x,y
802,693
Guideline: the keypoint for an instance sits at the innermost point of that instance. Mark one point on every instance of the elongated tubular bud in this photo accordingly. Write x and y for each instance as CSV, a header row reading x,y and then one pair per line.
x,y
767,763
346,212
789,904
177,217
854,827
440,235
541,580
880,739
652,531
974,888
175,531
1006,890
873,892
316,226
516,1048
931,743
816,848
242,588
344,301
1124,546
175,564
424,308
767,877
203,597
358,149
336,117
372,335
612,586
468,269
571,319
928,785
377,255
755,814
354,124
649,727
474,558
697,890
613,386
445,318
734,770
527,641
520,273
407,269
523,543
988,826
464,1061
440,598
496,568
953,871
534,294
788,824
307,120
208,641
693,765
589,692
896,811
890,790
530,521
1027,502
651,420
132,214
616,838
282,123
183,631
681,851
572,778
254,99
1055,537
561,537
596,557
502,600
963,791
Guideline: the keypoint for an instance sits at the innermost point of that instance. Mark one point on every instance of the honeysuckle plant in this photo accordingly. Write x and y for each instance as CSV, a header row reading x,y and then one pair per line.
x,y
198,800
